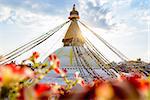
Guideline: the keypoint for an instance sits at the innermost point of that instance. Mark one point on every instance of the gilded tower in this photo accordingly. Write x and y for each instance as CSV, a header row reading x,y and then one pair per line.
x,y
73,35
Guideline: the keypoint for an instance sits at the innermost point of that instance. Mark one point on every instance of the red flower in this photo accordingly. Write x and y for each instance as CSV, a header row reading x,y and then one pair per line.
x,y
134,82
21,96
145,85
123,77
55,62
1,79
15,68
19,70
57,70
52,57
64,70
41,88
55,65
139,83
82,83
35,55
12,66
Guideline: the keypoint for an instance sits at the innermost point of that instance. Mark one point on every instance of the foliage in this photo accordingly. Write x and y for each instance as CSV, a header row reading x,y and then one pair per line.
x,y
22,82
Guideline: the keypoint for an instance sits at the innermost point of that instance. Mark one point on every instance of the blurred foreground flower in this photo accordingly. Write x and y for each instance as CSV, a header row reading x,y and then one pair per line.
x,y
12,73
14,85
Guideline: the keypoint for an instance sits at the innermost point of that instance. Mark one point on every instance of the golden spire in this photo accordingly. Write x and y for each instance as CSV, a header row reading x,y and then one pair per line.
x,y
74,7
73,35
74,14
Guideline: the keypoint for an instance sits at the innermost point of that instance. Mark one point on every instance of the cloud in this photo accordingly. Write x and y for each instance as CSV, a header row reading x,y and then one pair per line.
x,y
5,13
18,26
107,14
140,4
96,12
25,17
48,7
125,25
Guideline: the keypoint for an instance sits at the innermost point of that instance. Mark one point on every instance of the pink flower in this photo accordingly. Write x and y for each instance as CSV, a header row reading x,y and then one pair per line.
x,y
76,75
79,79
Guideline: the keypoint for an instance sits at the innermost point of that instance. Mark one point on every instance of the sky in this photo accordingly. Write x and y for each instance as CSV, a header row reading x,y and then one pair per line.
x,y
123,23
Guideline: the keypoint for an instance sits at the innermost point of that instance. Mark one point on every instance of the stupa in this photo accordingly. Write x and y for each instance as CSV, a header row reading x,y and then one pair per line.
x,y
70,56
